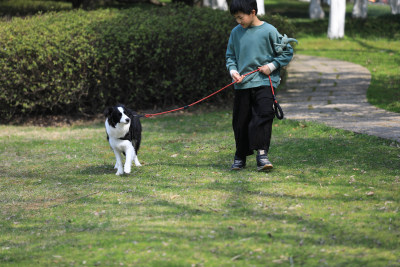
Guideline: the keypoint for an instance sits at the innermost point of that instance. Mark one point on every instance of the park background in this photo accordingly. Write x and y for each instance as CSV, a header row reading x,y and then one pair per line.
x,y
331,201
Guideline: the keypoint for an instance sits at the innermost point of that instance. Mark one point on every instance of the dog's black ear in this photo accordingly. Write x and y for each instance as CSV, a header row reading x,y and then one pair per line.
x,y
108,111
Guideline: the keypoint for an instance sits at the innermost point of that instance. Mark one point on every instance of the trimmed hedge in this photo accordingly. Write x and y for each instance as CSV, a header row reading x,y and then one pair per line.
x,y
10,8
80,62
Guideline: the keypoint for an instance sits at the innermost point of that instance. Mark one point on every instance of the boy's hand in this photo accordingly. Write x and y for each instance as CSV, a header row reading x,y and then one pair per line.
x,y
265,69
237,78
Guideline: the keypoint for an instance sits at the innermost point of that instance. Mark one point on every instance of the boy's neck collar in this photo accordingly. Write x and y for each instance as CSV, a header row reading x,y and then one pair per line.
x,y
259,23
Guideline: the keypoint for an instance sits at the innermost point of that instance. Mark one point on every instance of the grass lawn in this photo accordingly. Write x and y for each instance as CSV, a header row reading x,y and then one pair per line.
x,y
332,199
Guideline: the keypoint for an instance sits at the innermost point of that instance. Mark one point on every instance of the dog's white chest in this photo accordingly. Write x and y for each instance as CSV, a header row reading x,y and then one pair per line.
x,y
119,131
120,145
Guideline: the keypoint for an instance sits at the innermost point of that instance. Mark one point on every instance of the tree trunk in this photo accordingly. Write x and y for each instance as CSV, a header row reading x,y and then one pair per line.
x,y
224,5
216,4
336,19
360,9
261,7
395,5
76,3
315,10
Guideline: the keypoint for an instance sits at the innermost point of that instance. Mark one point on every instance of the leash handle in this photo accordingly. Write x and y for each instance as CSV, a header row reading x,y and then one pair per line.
x,y
278,110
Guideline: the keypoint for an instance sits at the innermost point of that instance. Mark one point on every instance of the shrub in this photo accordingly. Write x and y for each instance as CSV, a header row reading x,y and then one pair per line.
x,y
81,61
44,62
31,7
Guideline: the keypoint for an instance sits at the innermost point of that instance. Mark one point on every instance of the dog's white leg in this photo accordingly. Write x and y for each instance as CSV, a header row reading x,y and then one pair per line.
x,y
128,159
118,165
135,158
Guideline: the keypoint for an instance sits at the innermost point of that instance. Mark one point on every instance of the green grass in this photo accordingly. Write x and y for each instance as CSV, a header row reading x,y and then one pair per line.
x,y
62,205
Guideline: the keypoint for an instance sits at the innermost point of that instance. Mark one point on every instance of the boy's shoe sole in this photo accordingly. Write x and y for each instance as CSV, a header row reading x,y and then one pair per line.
x,y
265,167
238,164
237,168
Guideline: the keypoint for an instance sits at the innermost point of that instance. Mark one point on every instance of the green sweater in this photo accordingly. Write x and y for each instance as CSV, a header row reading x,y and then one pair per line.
x,y
254,47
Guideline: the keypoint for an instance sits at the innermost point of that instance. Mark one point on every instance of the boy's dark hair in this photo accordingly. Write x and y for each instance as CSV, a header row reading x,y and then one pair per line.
x,y
245,6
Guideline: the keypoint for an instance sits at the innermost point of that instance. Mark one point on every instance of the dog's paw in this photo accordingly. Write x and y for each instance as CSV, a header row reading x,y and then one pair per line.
x,y
127,170
137,163
119,173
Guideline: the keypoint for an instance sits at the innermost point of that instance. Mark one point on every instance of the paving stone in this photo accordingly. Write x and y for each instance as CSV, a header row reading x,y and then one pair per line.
x,y
333,92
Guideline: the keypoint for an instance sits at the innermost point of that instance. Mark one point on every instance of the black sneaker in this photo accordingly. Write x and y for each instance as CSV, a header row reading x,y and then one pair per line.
x,y
263,162
238,164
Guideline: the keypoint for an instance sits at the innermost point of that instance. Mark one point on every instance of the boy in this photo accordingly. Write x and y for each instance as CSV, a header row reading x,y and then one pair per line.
x,y
252,45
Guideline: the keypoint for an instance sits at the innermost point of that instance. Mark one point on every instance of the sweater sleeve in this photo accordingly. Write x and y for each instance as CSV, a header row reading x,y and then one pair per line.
x,y
231,62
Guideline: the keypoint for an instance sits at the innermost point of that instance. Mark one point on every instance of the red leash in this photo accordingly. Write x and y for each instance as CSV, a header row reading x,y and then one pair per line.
x,y
276,105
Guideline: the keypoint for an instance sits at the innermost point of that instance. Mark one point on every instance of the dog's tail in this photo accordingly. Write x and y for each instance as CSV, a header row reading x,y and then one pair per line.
x,y
135,130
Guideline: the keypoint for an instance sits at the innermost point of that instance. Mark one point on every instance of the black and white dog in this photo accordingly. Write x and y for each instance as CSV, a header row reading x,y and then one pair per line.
x,y
124,133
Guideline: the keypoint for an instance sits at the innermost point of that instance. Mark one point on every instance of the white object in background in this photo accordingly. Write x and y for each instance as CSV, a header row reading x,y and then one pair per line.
x,y
315,10
216,4
360,9
261,7
395,5
336,19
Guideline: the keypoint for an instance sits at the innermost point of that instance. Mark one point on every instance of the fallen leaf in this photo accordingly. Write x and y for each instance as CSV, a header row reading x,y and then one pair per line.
x,y
370,193
236,257
174,196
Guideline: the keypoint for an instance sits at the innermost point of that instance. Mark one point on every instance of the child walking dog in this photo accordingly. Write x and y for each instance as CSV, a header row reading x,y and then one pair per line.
x,y
254,44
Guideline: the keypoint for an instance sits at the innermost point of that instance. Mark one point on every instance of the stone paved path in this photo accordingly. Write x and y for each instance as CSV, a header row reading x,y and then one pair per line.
x,y
333,92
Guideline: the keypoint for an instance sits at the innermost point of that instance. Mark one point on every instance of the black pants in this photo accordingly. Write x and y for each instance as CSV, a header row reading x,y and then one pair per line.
x,y
253,115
